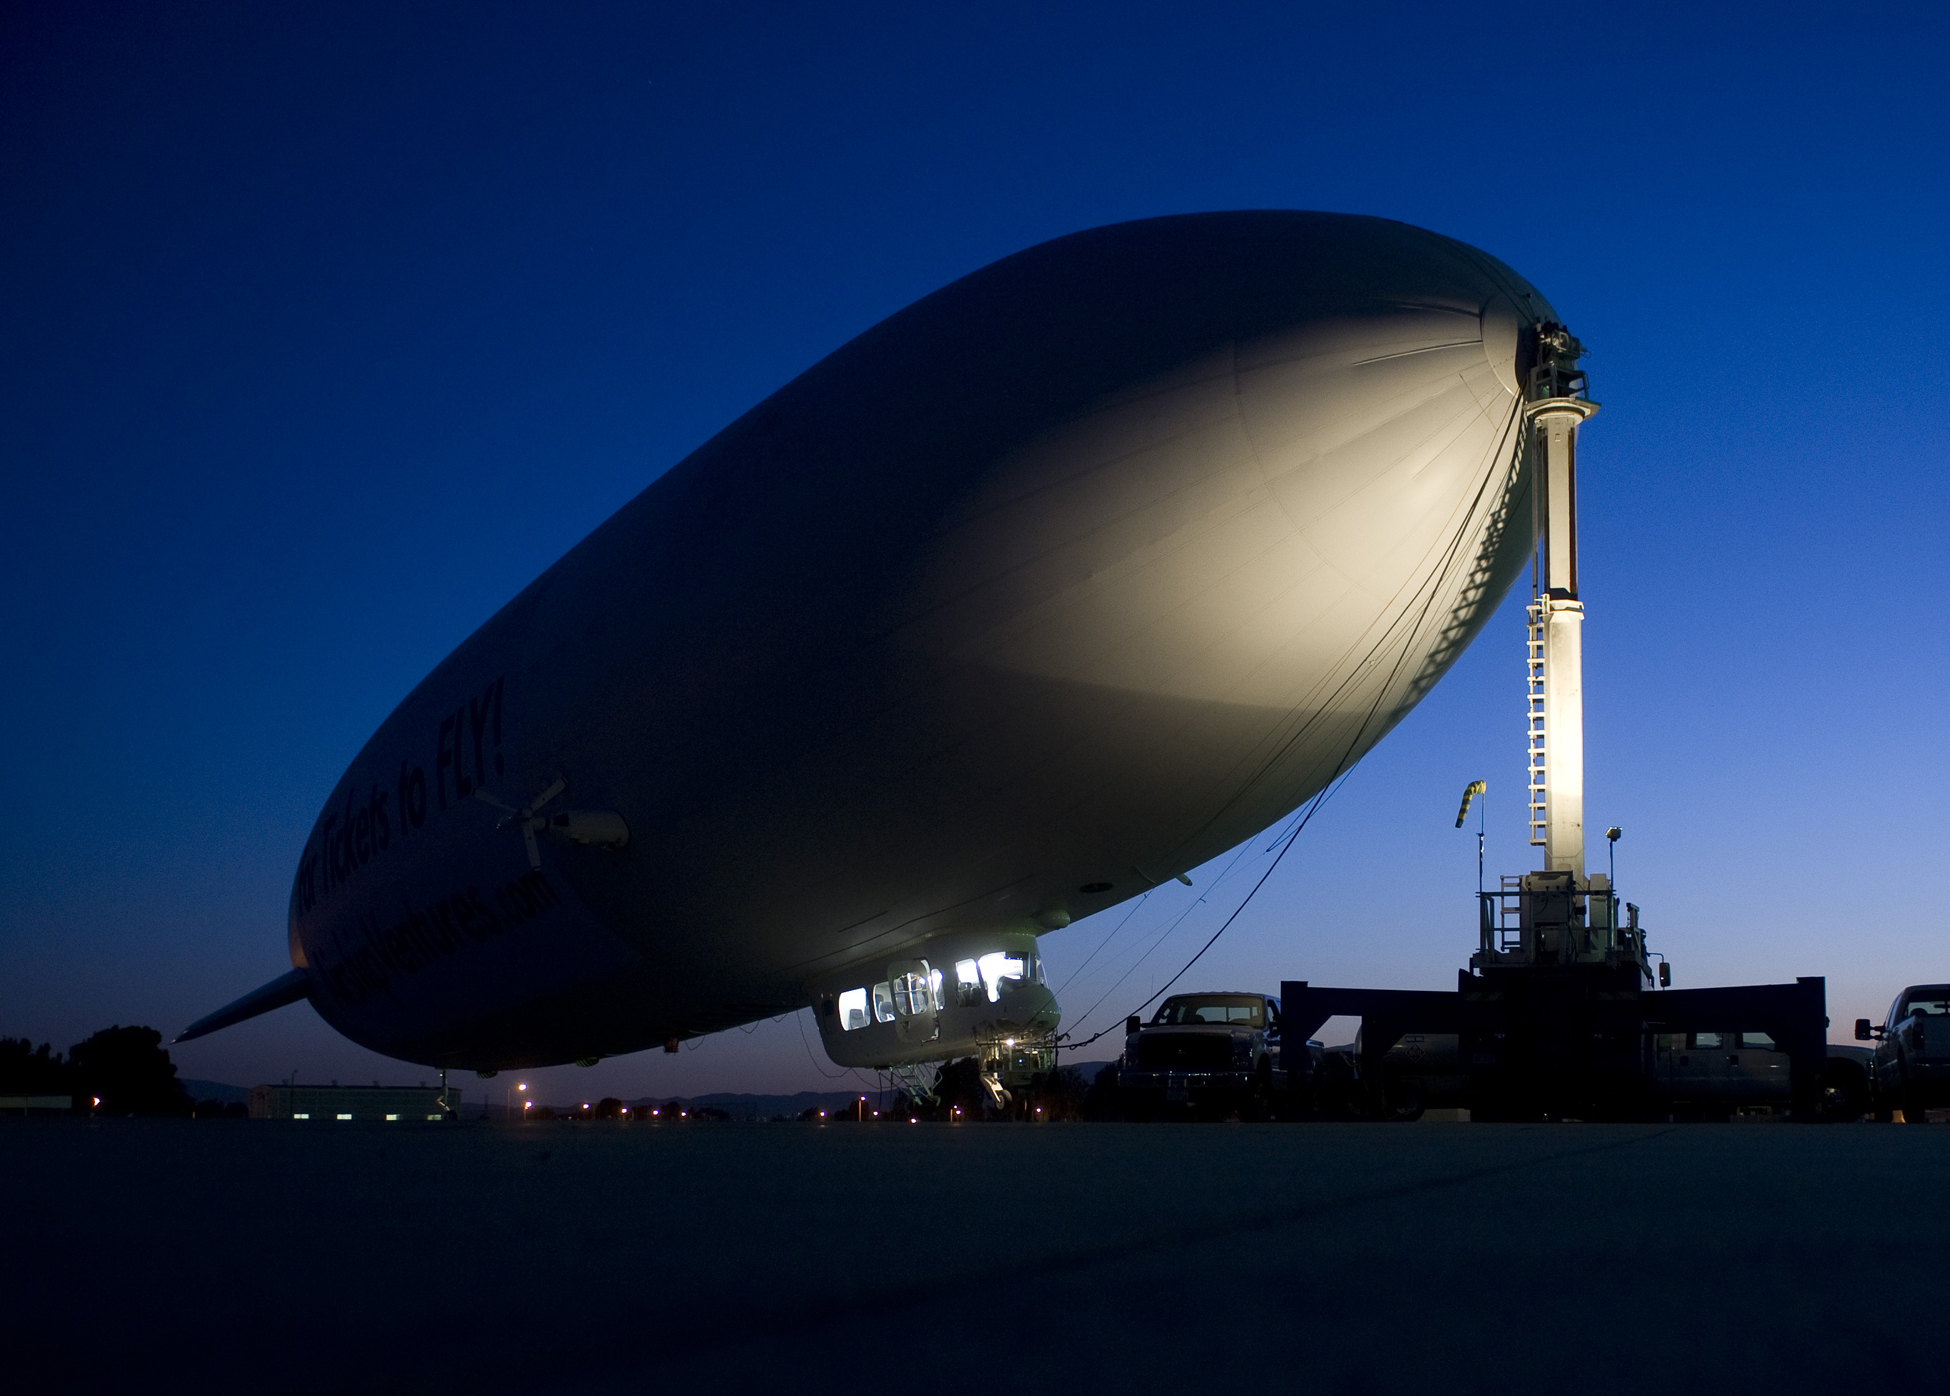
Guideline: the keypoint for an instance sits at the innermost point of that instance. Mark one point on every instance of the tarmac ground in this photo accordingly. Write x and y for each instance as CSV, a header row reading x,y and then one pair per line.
x,y
161,1255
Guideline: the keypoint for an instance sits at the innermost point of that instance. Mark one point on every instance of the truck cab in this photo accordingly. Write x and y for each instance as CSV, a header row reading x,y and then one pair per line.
x,y
1209,1053
1909,1068
1722,1070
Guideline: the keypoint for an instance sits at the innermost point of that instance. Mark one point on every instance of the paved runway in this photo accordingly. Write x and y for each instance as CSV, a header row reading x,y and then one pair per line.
x,y
230,1255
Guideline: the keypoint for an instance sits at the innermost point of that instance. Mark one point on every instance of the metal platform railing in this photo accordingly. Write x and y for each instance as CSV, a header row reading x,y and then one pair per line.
x,y
1508,919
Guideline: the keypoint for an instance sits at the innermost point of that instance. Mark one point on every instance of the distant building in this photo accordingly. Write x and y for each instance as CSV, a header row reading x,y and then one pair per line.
x,y
28,1103
353,1103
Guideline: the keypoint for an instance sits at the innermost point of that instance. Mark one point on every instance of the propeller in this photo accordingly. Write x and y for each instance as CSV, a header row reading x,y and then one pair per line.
x,y
526,818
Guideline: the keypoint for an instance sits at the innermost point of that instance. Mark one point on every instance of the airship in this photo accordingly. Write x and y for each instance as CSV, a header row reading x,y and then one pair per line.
x,y
1041,592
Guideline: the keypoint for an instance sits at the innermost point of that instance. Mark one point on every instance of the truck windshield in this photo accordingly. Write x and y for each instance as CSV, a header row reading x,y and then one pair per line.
x,y
1244,1009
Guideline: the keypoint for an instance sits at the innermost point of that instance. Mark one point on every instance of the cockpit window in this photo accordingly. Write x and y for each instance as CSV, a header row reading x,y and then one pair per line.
x,y
999,965
1247,1010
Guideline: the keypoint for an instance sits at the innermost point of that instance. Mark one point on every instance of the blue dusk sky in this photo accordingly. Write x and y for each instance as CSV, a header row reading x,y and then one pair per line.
x,y
328,327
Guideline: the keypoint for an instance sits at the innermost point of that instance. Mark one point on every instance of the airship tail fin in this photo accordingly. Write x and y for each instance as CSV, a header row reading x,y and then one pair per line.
x,y
286,988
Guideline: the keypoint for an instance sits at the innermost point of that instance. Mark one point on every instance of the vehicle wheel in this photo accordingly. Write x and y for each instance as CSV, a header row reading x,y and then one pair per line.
x,y
1258,1104
1300,1103
1915,1106
1334,1089
1401,1101
1841,1094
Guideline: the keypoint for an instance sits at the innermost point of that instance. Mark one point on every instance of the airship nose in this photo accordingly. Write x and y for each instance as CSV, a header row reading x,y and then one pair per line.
x,y
1502,339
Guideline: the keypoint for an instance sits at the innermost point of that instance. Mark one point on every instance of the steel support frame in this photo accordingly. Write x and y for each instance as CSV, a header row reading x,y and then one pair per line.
x,y
1574,1041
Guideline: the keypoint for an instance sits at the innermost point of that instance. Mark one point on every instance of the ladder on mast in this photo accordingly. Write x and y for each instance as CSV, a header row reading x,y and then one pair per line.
x,y
1539,773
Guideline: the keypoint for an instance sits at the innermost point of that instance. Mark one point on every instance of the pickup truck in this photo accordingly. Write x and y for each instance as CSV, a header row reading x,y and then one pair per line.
x,y
1696,1075
1909,1069
1717,1074
1213,1054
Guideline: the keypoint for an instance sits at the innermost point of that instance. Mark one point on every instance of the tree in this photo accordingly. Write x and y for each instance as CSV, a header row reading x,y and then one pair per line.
x,y
1061,1095
1104,1101
959,1085
129,1072
24,1071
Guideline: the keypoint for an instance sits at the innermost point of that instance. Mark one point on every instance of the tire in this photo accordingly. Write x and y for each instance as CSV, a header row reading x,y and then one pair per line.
x,y
1258,1104
1841,1093
1334,1090
1401,1102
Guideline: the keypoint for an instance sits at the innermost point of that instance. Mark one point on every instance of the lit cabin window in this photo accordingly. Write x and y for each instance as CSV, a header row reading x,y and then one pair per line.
x,y
392,1117
344,1117
999,965
968,984
853,1009
883,1003
916,995
302,1115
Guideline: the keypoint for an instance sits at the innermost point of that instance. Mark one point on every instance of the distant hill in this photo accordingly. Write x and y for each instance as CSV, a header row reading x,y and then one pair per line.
x,y
217,1091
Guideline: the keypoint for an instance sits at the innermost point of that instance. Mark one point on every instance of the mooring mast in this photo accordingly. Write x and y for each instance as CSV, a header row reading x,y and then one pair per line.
x,y
1562,916
1552,1018
1557,407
